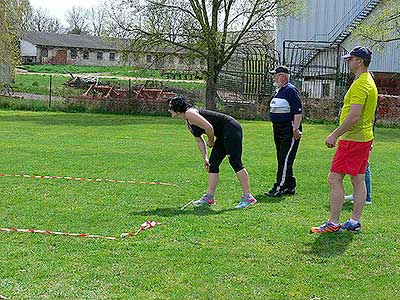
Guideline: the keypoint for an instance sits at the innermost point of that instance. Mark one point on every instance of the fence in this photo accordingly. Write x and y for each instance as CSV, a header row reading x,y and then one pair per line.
x,y
68,99
84,95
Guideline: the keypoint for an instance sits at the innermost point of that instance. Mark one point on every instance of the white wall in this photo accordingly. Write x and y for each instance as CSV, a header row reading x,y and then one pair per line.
x,y
313,89
319,19
28,49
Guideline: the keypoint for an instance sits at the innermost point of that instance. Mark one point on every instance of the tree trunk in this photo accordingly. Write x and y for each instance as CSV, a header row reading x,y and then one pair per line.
x,y
211,84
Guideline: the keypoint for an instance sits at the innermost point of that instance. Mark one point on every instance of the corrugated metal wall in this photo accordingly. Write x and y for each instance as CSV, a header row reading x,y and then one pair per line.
x,y
320,18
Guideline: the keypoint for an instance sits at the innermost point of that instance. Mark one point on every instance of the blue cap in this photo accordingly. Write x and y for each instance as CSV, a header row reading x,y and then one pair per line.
x,y
280,69
362,52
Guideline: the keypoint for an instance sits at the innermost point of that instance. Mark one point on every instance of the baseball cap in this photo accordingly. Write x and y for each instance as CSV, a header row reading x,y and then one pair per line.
x,y
362,52
280,69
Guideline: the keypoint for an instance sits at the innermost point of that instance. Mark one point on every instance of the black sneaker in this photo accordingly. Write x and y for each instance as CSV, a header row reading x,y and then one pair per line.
x,y
287,191
273,193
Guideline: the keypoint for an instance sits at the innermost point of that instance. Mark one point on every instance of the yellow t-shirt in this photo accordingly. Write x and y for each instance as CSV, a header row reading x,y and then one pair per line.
x,y
362,91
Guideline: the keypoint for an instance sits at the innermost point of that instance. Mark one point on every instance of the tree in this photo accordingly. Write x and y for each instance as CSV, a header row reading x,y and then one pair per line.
x,y
10,29
42,21
77,18
211,30
98,17
26,16
382,27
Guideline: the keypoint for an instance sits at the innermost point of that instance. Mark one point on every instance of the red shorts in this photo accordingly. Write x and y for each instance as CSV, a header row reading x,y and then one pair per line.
x,y
351,157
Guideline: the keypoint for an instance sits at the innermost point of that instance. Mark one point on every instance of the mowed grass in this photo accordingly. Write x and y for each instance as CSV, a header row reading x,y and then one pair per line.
x,y
40,84
264,252
111,70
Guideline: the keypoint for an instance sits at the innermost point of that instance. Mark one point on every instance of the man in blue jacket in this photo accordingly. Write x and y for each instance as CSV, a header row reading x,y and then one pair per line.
x,y
285,115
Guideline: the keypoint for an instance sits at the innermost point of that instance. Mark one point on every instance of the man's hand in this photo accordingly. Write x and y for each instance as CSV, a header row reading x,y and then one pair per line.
x,y
297,134
210,143
330,141
207,164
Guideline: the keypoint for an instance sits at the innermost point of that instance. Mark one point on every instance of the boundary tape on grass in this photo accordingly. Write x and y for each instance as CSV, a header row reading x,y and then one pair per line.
x,y
87,179
146,225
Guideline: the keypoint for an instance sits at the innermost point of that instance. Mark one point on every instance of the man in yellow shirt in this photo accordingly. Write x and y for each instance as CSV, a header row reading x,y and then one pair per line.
x,y
356,136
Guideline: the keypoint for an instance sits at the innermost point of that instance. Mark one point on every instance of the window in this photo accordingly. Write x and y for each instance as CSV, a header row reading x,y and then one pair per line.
x,y
74,53
85,54
112,56
99,55
326,90
45,52
159,62
148,58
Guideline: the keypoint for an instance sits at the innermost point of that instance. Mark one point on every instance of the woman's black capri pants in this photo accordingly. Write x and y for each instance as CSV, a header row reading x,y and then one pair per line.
x,y
230,143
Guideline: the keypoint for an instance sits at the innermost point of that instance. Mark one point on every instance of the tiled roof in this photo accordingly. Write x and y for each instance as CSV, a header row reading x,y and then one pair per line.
x,y
71,40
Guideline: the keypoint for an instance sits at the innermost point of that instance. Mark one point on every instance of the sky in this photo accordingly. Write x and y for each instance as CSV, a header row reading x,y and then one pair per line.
x,y
58,8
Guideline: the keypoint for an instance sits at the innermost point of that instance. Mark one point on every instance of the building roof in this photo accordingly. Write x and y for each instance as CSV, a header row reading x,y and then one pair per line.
x,y
70,40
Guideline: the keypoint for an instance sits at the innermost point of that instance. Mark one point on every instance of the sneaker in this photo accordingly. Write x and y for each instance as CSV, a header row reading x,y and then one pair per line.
x,y
204,201
246,202
326,227
273,192
349,198
351,228
287,191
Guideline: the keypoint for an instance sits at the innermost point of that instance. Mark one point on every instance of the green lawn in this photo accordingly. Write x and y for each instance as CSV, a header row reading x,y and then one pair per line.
x,y
111,70
40,84
118,70
264,252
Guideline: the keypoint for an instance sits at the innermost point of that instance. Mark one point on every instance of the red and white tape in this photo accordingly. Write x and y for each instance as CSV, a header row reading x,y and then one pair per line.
x,y
146,225
86,179
57,233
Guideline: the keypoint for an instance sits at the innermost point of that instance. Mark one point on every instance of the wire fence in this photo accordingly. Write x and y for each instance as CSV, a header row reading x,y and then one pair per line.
x,y
127,97
91,94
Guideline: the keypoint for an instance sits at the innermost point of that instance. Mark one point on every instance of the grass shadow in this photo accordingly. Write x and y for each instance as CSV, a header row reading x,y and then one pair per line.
x,y
173,211
89,120
261,198
329,244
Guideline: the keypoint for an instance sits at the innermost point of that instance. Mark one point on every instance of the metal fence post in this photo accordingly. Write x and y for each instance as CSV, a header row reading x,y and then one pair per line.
x,y
129,89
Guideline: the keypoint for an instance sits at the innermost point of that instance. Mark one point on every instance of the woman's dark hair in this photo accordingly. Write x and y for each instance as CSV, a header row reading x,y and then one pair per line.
x,y
179,104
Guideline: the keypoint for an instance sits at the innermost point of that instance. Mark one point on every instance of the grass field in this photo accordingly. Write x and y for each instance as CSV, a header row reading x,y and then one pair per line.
x,y
40,84
264,252
111,70
118,70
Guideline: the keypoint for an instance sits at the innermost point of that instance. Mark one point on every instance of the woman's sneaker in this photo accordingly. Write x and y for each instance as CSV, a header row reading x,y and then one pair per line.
x,y
204,201
351,227
246,202
349,198
326,227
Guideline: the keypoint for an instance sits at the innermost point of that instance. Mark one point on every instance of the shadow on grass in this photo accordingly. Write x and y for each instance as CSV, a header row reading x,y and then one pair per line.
x,y
329,244
261,198
172,211
88,120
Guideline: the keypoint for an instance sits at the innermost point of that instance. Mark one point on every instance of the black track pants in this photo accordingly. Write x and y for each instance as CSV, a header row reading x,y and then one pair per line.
x,y
286,149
